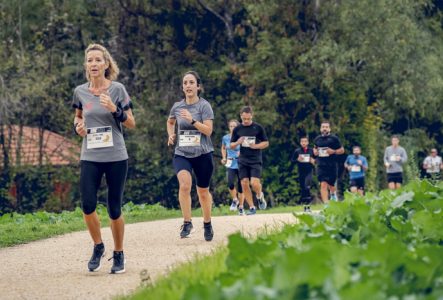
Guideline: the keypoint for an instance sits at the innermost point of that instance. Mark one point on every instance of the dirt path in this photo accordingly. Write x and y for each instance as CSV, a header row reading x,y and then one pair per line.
x,y
55,268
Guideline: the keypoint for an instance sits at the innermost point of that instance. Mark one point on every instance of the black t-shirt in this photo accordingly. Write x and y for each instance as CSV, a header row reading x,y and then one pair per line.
x,y
303,167
254,133
323,142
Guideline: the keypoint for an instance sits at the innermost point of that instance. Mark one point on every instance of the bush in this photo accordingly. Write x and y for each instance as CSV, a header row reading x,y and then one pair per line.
x,y
378,247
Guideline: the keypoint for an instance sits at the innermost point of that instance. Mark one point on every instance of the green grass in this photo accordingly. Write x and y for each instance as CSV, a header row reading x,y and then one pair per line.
x,y
18,229
201,270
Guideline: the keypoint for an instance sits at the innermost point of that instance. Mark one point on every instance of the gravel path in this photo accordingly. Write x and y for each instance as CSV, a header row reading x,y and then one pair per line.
x,y
56,268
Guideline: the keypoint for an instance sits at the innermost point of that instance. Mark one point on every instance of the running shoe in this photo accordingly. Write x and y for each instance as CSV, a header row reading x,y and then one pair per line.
x,y
234,205
186,229
208,231
333,197
307,208
252,211
241,211
94,263
262,202
118,265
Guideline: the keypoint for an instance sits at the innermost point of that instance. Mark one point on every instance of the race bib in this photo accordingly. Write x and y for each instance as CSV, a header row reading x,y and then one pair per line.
x,y
189,138
249,140
355,168
229,162
323,152
99,137
305,158
394,157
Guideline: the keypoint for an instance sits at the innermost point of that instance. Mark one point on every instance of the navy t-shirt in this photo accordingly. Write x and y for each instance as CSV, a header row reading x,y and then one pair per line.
x,y
305,166
254,134
324,142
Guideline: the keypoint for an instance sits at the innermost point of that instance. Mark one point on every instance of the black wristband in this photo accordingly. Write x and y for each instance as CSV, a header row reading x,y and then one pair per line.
x,y
75,128
193,122
120,115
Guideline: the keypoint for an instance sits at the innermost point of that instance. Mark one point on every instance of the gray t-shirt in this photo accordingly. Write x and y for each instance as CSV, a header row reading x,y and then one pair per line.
x,y
190,142
396,157
104,142
433,163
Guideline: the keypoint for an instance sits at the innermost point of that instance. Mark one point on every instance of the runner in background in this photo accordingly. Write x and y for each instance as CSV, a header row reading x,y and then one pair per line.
x,y
304,158
433,165
357,165
102,105
327,146
193,152
394,158
252,139
230,161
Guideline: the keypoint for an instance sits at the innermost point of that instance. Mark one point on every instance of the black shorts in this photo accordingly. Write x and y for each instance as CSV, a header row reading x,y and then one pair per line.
x,y
249,170
359,183
395,177
327,174
433,176
202,165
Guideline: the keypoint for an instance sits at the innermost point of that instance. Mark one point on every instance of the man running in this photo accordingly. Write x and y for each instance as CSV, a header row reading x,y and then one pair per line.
x,y
252,139
433,165
394,158
357,165
230,161
327,146
304,157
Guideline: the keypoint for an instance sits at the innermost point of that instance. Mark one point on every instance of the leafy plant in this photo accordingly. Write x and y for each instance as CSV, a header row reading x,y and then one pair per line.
x,y
381,246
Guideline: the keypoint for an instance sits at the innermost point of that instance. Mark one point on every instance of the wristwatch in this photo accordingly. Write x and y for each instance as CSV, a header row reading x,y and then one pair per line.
x,y
193,122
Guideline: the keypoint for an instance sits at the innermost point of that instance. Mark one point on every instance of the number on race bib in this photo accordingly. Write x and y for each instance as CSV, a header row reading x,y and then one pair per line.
x,y
229,162
355,169
323,152
305,158
189,138
99,137
248,141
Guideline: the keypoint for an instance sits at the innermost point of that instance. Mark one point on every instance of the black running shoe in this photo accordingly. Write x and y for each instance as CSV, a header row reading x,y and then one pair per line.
x,y
186,229
118,266
97,254
209,233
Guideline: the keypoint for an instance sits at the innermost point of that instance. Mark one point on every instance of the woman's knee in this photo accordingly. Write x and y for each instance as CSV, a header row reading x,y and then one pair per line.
x,y
114,212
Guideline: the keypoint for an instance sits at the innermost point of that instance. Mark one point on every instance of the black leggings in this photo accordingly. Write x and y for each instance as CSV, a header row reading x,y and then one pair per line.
x,y
91,174
232,175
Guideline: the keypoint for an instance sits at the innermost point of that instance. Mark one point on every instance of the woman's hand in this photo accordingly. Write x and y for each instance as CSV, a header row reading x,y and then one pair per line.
x,y
106,102
185,114
81,129
171,139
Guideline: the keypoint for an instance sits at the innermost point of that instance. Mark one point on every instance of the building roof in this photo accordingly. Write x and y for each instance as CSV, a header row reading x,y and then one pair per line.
x,y
56,149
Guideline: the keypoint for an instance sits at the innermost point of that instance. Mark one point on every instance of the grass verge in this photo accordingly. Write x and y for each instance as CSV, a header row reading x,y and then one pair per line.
x,y
22,228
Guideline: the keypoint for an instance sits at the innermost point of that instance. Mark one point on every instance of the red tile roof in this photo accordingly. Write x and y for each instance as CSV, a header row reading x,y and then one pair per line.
x,y
57,150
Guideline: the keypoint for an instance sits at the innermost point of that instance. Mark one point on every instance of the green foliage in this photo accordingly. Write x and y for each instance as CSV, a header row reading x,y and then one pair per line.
x,y
372,136
377,247
372,68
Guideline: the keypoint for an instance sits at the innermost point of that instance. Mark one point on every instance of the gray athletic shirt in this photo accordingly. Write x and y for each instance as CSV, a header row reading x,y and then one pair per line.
x,y
395,166
200,112
96,115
